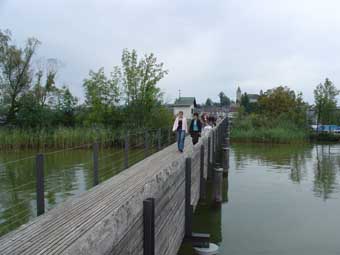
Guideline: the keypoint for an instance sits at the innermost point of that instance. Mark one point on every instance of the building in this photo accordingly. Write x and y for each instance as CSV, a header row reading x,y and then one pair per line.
x,y
233,111
253,98
216,111
185,104
238,95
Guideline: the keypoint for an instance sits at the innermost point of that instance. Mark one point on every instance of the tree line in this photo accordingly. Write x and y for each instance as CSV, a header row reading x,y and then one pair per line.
x,y
31,98
282,102
224,101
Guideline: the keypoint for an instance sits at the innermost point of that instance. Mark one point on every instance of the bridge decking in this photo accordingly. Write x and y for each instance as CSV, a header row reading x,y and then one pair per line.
x,y
108,219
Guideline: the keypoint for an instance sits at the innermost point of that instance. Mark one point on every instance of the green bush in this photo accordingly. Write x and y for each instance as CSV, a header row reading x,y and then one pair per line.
x,y
257,128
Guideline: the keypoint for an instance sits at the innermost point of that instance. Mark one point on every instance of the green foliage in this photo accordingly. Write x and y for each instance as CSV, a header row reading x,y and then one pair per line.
x,y
283,103
247,105
325,102
15,73
59,137
224,100
130,93
258,128
102,97
279,117
139,80
209,102
29,97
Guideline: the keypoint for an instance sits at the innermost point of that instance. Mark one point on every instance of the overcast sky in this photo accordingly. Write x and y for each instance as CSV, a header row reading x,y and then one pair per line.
x,y
207,46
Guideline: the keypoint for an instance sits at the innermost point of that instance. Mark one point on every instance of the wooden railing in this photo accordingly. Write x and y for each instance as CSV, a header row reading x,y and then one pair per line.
x,y
145,209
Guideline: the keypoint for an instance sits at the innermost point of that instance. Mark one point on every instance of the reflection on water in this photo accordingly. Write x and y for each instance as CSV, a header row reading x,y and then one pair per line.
x,y
326,169
280,199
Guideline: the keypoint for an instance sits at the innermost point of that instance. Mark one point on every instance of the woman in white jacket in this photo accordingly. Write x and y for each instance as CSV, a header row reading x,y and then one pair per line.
x,y
181,128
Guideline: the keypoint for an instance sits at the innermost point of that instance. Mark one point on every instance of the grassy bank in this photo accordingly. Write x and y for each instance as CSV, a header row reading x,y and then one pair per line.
x,y
61,138
269,135
51,138
259,129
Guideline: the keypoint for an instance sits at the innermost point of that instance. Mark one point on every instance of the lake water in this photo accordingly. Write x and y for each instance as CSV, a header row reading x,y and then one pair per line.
x,y
281,199
67,173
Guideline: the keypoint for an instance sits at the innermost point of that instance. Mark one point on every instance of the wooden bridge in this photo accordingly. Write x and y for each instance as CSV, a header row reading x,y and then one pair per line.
x,y
145,209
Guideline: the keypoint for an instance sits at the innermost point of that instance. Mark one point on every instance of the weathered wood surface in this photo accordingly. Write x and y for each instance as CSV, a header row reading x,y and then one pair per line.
x,y
108,219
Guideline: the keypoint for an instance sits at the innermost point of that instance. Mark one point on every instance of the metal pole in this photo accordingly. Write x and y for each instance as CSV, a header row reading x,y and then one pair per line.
x,y
146,143
169,137
217,186
202,179
40,184
126,151
95,164
188,207
209,158
159,142
225,162
213,147
149,226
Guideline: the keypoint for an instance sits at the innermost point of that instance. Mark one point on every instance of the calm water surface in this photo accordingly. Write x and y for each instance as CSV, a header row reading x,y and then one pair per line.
x,y
67,173
277,200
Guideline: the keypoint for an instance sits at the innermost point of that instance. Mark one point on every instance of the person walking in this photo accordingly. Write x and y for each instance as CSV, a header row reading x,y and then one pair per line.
x,y
181,128
195,128
204,120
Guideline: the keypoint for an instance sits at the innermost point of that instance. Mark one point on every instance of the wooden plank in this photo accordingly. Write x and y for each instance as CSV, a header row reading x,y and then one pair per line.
x,y
107,218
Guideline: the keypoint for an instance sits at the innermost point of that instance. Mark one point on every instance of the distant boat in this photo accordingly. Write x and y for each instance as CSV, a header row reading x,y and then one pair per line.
x,y
326,128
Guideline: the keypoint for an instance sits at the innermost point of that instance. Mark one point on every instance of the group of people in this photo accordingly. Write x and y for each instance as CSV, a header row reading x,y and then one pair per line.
x,y
197,126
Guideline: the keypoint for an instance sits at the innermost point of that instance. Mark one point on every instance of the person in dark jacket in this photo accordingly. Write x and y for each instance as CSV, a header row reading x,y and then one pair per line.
x,y
195,128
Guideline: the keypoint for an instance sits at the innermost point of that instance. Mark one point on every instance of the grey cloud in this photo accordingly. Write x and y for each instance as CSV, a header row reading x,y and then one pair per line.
x,y
208,46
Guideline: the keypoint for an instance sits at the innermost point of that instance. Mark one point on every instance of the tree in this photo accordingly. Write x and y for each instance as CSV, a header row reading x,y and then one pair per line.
x,y
325,102
245,102
283,103
209,102
67,106
102,95
15,72
139,80
45,91
224,100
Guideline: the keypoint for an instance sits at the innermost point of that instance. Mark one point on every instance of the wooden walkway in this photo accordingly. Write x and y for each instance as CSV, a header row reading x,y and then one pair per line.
x,y
108,219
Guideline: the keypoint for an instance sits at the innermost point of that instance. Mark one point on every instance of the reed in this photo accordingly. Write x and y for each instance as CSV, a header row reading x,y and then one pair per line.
x,y
63,137
255,129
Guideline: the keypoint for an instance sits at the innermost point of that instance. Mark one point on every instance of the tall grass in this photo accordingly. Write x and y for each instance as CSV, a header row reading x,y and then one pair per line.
x,y
63,137
269,135
52,138
260,129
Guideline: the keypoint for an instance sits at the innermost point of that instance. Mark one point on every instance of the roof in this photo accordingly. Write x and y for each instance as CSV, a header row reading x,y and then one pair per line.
x,y
253,96
185,101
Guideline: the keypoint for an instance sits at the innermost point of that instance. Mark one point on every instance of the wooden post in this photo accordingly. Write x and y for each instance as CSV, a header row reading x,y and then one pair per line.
x,y
169,137
146,143
225,162
188,206
40,189
159,141
213,147
217,186
227,142
202,179
126,151
95,164
225,189
209,159
149,226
